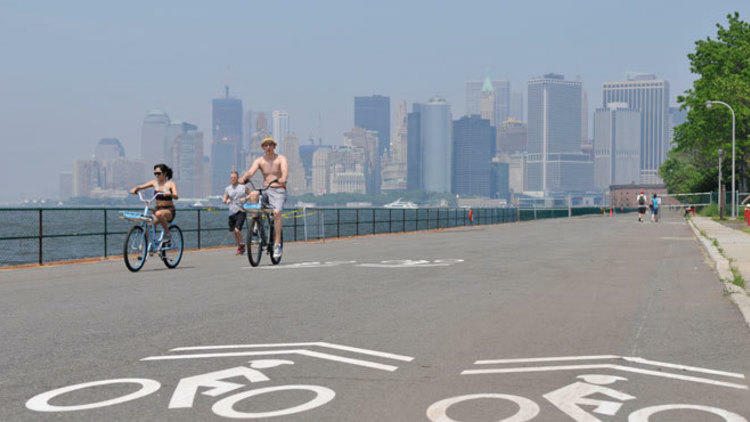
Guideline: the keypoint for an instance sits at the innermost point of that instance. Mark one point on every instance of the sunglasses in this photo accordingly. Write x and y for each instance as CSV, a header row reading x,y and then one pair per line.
x,y
157,173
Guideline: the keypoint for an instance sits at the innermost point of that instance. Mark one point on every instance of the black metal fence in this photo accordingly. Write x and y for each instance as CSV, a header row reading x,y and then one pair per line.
x,y
39,235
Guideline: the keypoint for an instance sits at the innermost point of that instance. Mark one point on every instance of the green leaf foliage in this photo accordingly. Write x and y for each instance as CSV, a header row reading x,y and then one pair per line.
x,y
723,67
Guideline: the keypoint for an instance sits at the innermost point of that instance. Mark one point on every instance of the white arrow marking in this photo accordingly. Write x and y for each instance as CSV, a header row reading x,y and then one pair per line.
x,y
311,343
603,366
603,357
303,352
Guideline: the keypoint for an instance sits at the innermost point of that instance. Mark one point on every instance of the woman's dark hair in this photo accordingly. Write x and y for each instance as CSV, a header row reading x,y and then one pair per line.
x,y
165,169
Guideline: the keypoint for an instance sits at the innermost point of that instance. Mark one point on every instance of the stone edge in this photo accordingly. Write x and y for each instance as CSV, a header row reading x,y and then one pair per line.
x,y
721,265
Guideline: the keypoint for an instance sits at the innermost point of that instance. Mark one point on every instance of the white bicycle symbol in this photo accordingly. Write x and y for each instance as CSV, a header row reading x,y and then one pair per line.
x,y
569,398
184,395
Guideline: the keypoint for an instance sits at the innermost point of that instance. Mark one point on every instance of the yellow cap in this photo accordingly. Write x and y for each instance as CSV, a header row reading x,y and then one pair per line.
x,y
267,140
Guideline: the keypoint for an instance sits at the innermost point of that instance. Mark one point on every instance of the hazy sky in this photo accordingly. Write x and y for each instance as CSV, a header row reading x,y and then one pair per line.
x,y
72,72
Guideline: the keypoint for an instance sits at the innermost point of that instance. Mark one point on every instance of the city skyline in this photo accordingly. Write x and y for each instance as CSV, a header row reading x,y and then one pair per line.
x,y
91,77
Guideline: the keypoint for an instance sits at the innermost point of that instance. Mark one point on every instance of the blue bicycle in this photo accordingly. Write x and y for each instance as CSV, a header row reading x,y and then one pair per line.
x,y
142,239
261,231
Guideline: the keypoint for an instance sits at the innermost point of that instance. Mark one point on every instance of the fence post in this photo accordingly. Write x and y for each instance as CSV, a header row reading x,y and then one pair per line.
x,y
294,219
304,216
105,232
356,222
403,220
199,229
534,205
373,221
390,220
41,234
323,223
570,210
338,222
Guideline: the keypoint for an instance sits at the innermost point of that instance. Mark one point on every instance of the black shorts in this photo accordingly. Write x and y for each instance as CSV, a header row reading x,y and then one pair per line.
x,y
642,209
237,220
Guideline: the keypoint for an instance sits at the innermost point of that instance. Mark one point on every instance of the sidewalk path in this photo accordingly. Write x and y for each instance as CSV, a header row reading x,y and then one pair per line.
x,y
735,245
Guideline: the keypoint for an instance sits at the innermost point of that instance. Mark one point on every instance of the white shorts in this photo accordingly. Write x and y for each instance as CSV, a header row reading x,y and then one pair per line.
x,y
276,198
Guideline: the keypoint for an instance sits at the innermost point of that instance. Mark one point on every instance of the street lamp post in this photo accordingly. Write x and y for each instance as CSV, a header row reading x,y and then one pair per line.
x,y
708,105
719,197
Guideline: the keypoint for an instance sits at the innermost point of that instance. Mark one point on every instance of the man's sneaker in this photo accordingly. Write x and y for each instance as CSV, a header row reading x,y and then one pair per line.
x,y
277,251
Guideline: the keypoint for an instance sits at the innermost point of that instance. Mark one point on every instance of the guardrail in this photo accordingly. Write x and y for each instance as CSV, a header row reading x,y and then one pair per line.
x,y
39,235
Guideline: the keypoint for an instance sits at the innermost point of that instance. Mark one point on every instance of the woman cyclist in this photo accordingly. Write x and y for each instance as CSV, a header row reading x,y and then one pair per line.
x,y
166,191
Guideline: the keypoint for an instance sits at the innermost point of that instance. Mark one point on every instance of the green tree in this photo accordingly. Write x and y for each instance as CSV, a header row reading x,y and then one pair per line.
x,y
723,66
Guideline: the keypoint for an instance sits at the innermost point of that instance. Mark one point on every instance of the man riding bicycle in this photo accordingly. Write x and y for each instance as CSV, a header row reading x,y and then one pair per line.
x,y
275,170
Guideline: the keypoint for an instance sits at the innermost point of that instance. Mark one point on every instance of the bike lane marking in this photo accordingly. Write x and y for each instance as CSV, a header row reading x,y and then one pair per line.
x,y
311,343
40,402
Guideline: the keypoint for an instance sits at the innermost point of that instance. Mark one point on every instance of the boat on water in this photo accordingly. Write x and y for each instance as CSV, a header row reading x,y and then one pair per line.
x,y
401,204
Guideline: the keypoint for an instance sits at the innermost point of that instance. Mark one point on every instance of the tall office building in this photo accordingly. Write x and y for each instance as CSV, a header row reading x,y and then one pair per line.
x,y
187,153
394,165
487,104
617,144
66,186
676,118
554,163
649,95
374,113
226,148
585,139
320,170
280,128
154,136
430,146
306,157
511,137
502,94
368,142
472,155
108,149
86,177
296,180
414,150
123,173
516,106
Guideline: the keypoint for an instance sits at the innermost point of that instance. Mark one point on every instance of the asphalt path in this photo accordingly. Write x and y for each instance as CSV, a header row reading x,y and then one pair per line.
x,y
553,320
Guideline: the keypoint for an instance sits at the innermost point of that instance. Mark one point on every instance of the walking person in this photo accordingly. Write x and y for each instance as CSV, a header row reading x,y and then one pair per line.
x,y
234,195
275,170
165,191
641,200
655,203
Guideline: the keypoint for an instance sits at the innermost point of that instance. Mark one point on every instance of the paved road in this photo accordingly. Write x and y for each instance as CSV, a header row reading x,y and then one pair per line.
x,y
373,341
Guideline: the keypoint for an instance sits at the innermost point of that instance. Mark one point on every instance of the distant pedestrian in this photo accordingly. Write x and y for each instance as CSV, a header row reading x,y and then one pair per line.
x,y
234,195
641,199
655,203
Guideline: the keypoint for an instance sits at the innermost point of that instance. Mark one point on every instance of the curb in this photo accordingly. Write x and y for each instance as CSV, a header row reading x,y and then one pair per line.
x,y
721,265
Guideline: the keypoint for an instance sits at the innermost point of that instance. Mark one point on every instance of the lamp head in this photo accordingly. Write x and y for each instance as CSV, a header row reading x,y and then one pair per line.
x,y
709,104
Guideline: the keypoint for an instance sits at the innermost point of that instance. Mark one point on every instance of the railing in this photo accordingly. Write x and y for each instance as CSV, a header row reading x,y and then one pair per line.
x,y
39,235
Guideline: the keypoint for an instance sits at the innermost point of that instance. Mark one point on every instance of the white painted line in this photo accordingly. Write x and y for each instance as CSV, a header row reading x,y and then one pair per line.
x,y
626,358
312,343
303,352
603,366
550,359
684,367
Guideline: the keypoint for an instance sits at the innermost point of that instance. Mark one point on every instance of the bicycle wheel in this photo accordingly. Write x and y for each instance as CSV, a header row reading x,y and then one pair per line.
x,y
255,234
271,244
172,253
134,251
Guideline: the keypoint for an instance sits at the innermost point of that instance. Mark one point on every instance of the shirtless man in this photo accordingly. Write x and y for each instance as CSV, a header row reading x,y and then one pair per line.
x,y
275,171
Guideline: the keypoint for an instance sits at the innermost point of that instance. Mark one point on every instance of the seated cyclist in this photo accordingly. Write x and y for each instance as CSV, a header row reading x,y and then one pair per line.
x,y
275,170
166,191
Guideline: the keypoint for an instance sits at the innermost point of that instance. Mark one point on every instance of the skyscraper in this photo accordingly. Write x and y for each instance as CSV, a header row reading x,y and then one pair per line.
x,y
226,148
472,155
394,166
487,104
108,149
501,90
516,106
367,142
280,128
374,113
296,182
154,136
650,96
617,144
434,144
414,149
187,152
554,162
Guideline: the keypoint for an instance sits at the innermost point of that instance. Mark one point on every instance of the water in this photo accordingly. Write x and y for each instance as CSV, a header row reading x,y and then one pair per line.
x,y
78,233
